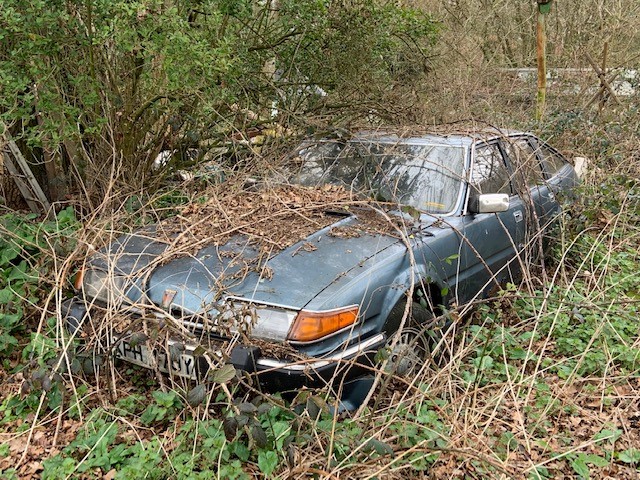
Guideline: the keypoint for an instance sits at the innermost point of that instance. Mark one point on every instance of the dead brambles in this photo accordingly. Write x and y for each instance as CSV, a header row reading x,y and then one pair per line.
x,y
272,218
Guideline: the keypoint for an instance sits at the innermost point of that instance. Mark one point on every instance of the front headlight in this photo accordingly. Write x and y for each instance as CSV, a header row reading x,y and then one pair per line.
x,y
258,321
277,324
103,286
273,324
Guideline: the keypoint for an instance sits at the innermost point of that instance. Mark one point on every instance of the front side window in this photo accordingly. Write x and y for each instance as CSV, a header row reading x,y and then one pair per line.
x,y
524,161
489,174
426,177
551,160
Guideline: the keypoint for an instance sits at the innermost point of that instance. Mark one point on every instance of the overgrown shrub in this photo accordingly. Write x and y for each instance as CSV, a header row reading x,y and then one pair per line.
x,y
102,87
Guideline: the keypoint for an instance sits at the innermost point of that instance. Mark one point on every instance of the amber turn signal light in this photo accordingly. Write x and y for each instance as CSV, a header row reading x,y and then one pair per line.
x,y
310,326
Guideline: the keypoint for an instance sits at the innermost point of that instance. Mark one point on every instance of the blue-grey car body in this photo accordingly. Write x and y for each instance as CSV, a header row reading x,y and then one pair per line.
x,y
457,255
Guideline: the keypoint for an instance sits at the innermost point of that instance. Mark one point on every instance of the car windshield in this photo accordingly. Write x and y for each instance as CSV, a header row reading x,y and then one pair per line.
x,y
425,177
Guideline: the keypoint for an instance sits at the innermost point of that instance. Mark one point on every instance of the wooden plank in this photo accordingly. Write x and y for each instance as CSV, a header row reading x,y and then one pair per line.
x,y
22,174
26,170
22,186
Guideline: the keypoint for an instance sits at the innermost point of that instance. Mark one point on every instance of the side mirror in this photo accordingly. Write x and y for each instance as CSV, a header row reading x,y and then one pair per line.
x,y
489,203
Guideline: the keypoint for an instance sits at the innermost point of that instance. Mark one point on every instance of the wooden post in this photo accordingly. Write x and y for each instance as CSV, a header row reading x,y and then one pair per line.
x,y
603,97
544,6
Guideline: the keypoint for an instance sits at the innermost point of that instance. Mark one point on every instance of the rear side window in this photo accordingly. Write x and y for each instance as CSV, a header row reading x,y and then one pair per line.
x,y
551,160
490,173
524,161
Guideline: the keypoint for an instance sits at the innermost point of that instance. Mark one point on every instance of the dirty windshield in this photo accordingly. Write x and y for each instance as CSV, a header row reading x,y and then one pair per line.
x,y
426,177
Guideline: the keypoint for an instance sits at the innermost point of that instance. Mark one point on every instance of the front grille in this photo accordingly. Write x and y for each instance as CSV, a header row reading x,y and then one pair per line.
x,y
199,325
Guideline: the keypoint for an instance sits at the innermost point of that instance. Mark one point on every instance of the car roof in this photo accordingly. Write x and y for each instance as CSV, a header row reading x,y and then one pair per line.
x,y
458,134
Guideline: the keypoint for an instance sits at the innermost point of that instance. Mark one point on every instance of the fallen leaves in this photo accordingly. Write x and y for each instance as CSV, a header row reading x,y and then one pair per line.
x,y
273,217
277,216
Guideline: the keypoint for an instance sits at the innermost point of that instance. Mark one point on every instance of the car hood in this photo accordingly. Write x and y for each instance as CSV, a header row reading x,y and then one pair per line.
x,y
290,278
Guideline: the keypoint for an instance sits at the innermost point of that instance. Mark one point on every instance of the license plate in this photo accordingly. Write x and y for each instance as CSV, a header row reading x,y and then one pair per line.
x,y
183,365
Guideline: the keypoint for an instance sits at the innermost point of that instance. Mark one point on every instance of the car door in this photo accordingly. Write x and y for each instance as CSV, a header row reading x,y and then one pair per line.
x,y
529,179
535,189
491,242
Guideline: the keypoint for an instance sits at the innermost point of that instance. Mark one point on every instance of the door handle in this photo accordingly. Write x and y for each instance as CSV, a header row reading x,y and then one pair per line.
x,y
517,215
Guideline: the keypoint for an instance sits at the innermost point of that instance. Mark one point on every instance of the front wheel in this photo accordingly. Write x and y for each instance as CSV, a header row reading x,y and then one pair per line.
x,y
414,342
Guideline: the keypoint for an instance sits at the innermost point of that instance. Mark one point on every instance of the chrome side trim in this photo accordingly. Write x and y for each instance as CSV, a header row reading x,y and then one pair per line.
x,y
346,353
333,310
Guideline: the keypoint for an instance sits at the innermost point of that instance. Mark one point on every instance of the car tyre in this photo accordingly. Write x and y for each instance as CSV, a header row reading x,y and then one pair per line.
x,y
413,346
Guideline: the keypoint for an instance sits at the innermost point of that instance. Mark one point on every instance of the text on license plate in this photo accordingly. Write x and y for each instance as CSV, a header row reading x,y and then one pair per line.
x,y
183,365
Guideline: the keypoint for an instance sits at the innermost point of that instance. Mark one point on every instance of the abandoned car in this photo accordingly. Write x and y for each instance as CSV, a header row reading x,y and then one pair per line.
x,y
306,287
